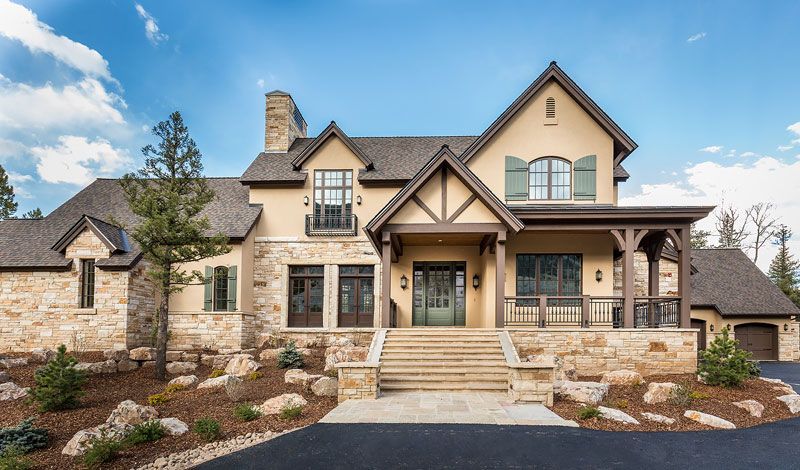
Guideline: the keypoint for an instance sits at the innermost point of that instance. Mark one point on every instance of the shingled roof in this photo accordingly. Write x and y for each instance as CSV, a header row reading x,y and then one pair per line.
x,y
727,280
30,243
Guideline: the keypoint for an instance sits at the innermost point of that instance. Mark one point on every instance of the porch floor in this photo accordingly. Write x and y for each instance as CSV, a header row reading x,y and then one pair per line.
x,y
444,407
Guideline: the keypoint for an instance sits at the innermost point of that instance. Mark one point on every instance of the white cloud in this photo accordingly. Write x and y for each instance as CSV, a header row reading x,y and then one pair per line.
x,y
21,24
10,148
83,103
696,37
794,128
712,149
17,178
748,154
784,148
154,35
260,83
78,160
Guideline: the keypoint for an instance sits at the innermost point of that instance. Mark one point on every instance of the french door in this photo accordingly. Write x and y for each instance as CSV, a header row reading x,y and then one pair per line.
x,y
356,296
439,293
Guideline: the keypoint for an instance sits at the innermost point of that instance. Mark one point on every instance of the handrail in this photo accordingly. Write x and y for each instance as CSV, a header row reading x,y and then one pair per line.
x,y
339,225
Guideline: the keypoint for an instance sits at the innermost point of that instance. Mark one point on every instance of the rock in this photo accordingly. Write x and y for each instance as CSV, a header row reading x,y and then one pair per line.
x,y
582,392
269,355
299,376
12,391
267,339
207,359
791,401
190,357
4,377
185,380
336,354
126,365
709,420
42,355
13,362
341,341
128,412
143,354
80,441
751,406
622,377
658,392
174,356
658,418
773,381
220,361
181,368
116,354
229,351
326,387
174,426
241,365
561,370
275,405
218,382
616,415
147,364
105,367
251,351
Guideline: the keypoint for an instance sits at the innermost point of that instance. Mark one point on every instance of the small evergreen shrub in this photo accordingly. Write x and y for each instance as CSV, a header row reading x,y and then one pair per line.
x,y
58,384
216,373
149,431
174,388
588,412
332,373
621,404
724,363
12,458
158,399
101,449
23,437
290,357
755,369
291,411
207,428
254,376
696,395
681,395
246,412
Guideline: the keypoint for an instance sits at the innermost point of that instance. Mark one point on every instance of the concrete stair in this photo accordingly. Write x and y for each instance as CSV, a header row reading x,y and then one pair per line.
x,y
443,359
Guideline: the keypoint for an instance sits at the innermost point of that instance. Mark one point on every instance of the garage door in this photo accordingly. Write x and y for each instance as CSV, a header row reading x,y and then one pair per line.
x,y
701,335
761,340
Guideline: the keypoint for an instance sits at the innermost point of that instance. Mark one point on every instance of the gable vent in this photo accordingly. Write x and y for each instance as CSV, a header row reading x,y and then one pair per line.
x,y
550,108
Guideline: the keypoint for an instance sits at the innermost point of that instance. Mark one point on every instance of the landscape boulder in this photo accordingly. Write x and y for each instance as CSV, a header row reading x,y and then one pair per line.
x,y
218,382
341,341
174,356
591,393
241,365
190,357
181,368
126,365
337,354
4,377
143,354
42,355
12,391
187,381
658,392
10,363
622,377
220,361
105,367
753,407
116,354
658,418
174,426
129,413
300,377
326,387
792,401
616,415
709,420
275,405
80,441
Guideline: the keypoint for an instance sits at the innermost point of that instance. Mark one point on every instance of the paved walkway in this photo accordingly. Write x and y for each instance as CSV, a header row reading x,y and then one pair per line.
x,y
439,407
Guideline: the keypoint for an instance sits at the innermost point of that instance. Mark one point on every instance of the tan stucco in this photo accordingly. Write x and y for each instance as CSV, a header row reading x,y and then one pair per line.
x,y
526,136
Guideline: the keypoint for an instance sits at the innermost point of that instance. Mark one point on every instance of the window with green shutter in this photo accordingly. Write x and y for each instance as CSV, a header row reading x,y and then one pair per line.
x,y
586,178
516,179
220,289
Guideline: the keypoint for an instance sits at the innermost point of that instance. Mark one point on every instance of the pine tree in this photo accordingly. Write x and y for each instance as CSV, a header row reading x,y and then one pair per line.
x,y
58,384
168,194
33,214
7,205
699,237
723,363
784,270
290,357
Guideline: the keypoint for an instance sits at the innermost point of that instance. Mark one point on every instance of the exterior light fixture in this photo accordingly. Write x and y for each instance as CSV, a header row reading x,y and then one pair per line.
x,y
785,327
729,327
305,200
358,199
711,327
598,275
476,281
403,282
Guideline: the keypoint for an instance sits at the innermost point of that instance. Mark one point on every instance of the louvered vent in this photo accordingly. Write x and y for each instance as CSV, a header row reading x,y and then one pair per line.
x,y
550,108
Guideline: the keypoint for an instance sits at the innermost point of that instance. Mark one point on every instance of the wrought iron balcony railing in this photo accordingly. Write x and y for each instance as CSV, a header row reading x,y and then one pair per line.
x,y
331,226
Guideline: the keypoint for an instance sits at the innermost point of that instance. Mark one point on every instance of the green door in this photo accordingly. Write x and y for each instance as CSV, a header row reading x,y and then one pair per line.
x,y
439,294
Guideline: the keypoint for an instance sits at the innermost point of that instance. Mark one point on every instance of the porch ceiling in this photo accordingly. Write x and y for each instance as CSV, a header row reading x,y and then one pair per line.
x,y
456,239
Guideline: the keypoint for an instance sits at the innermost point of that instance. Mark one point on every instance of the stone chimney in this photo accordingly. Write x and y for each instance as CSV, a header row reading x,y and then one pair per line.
x,y
284,123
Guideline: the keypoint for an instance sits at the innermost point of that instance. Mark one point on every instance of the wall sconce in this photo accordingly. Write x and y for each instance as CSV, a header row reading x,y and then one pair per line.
x,y
711,327
729,327
598,275
403,282
785,327
305,200
476,281
358,199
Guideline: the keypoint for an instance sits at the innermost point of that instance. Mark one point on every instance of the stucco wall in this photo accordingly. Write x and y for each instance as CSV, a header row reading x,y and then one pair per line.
x,y
788,341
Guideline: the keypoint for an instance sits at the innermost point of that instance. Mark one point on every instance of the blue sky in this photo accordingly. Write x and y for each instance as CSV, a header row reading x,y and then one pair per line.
x,y
82,80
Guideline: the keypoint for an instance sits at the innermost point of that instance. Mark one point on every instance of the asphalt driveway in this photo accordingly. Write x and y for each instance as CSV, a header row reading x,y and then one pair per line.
x,y
789,372
415,446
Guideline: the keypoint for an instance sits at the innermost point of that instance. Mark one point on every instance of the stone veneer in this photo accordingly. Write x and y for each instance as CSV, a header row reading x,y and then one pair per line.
x,y
531,383
211,330
667,276
359,380
595,351
281,129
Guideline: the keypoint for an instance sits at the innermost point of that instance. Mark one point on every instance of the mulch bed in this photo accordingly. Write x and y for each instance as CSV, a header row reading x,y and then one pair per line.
x,y
718,403
105,392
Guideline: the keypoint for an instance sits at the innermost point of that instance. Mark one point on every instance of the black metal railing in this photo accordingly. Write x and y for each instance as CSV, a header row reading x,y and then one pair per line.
x,y
324,225
585,311
545,311
606,311
655,312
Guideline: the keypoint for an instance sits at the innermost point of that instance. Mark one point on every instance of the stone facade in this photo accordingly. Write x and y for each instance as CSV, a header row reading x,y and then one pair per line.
x,y
359,380
595,351
281,128
531,383
211,330
667,276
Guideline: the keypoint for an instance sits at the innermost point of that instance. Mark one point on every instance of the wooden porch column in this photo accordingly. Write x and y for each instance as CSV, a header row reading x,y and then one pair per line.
x,y
684,273
627,279
386,279
500,280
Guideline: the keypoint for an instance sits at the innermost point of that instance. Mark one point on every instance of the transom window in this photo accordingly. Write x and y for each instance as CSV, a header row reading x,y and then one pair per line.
x,y
306,295
552,275
550,178
87,283
333,199
220,283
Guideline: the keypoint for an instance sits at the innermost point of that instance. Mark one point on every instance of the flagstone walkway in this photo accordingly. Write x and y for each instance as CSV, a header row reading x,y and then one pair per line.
x,y
439,407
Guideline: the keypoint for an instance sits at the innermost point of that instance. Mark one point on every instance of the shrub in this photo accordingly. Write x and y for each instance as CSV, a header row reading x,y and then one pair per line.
x,y
254,376
695,395
208,429
158,399
723,363
332,373
148,431
290,357
216,373
12,459
755,369
588,412
58,384
291,411
174,388
621,404
681,395
246,412
101,449
23,437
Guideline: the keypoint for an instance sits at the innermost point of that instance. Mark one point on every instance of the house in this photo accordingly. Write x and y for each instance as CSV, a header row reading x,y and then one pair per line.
x,y
515,230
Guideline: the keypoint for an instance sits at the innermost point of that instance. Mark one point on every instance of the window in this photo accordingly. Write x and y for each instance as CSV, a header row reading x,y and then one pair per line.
x,y
549,178
87,283
220,289
550,108
333,199
220,284
356,296
305,296
552,275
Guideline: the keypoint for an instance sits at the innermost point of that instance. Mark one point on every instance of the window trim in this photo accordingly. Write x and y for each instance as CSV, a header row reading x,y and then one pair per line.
x,y
322,188
358,277
88,282
306,277
215,279
550,159
537,285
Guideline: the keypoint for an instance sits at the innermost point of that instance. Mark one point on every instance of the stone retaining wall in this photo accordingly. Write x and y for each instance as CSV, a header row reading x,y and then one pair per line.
x,y
595,351
359,380
531,383
211,330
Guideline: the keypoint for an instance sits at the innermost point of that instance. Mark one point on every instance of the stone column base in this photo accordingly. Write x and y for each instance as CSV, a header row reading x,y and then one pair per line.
x,y
359,380
531,382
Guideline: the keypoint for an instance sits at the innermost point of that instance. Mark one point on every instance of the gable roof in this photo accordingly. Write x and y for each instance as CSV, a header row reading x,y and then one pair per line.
x,y
623,144
112,236
331,130
727,280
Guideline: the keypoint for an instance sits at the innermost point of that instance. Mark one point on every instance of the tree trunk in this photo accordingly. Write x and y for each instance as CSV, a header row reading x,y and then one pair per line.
x,y
161,339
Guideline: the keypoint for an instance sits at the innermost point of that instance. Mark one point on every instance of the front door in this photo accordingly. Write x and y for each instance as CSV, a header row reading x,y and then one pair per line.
x,y
439,293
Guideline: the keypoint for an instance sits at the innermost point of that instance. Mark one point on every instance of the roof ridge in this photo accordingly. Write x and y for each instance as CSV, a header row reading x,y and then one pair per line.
x,y
408,136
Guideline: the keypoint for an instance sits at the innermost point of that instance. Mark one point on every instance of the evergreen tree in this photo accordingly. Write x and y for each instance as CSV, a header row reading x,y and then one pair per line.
x,y
290,357
784,270
33,214
58,384
699,237
168,194
7,205
723,363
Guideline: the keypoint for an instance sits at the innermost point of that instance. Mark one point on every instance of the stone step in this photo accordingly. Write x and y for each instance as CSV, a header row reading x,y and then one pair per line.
x,y
444,386
454,369
439,356
439,331
444,376
425,363
441,340
432,348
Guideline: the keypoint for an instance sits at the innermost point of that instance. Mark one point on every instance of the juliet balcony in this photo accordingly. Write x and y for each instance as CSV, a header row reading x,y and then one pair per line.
x,y
331,226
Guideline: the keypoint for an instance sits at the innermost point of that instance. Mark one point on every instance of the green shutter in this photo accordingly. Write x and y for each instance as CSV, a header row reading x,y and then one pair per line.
x,y
207,306
586,178
516,179
232,288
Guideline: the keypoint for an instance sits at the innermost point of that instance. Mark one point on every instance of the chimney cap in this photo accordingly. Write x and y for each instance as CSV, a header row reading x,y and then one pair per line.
x,y
277,92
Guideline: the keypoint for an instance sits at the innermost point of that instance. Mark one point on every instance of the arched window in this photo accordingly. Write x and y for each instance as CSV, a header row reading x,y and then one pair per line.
x,y
550,108
550,178
220,284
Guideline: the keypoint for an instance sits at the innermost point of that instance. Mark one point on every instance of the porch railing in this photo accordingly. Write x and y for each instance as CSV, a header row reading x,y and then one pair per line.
x,y
655,312
585,311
